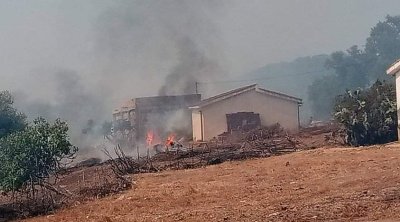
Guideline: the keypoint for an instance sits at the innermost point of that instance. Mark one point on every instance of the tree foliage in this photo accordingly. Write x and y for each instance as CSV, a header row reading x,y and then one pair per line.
x,y
10,119
357,67
383,46
29,157
327,84
369,116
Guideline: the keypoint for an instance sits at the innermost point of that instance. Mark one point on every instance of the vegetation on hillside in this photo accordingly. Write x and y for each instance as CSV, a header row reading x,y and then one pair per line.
x,y
319,79
357,67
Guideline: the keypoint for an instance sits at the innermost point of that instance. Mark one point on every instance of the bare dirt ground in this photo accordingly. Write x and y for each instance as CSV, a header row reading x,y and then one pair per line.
x,y
336,184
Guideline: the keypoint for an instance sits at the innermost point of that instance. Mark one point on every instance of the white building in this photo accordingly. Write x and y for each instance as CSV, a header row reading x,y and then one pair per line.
x,y
244,107
394,70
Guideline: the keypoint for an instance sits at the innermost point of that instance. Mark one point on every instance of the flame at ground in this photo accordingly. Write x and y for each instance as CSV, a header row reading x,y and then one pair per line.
x,y
170,140
150,137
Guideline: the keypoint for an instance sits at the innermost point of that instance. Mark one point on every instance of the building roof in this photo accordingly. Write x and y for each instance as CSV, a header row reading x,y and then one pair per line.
x,y
158,101
163,102
394,68
242,90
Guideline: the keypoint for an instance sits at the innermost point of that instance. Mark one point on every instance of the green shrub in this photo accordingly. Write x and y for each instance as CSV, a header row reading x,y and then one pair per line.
x,y
29,157
369,116
10,119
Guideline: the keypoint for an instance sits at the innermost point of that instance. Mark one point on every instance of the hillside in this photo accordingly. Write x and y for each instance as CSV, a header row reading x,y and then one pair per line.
x,y
321,184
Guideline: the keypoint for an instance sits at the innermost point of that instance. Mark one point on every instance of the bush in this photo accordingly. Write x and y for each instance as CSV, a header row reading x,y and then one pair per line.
x,y
369,116
29,157
10,119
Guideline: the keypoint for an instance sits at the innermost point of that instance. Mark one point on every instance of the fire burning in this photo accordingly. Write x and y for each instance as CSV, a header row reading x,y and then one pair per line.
x,y
170,140
154,141
150,137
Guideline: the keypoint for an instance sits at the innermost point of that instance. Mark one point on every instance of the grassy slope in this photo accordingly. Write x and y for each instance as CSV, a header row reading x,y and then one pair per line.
x,y
322,184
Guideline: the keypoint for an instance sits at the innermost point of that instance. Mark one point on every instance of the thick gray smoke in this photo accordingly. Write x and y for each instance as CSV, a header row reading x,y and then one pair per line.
x,y
193,66
71,100
160,45
139,48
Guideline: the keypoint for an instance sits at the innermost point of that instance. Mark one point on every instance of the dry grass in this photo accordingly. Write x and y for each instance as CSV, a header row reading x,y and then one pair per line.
x,y
318,185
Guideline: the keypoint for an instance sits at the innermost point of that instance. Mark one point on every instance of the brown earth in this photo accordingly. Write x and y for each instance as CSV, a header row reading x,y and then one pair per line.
x,y
337,184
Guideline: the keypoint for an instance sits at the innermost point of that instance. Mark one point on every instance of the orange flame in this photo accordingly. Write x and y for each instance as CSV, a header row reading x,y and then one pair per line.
x,y
150,137
170,140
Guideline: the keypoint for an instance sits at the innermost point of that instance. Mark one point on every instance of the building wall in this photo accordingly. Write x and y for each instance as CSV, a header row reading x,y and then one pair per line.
x,y
271,109
398,102
196,123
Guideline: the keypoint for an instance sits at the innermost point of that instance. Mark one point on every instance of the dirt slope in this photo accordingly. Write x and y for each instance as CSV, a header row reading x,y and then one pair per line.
x,y
323,184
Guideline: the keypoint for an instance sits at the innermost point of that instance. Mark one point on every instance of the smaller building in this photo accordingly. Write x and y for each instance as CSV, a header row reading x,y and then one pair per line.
x,y
243,109
160,114
125,113
394,70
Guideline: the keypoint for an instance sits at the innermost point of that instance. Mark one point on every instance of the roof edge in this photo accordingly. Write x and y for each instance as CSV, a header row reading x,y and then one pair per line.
x,y
239,91
394,68
280,95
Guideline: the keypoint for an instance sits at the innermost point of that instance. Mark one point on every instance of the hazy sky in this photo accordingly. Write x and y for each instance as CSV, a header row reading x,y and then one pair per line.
x,y
40,35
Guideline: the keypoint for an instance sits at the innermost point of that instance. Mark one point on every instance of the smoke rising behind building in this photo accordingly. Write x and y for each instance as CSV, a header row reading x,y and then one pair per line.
x,y
139,48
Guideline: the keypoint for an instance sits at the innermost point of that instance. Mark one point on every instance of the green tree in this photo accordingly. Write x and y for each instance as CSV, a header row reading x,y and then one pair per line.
x,y
357,67
369,116
29,157
350,67
383,46
349,73
319,94
10,119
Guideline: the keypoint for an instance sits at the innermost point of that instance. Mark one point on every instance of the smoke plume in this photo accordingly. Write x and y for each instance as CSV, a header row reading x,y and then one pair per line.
x,y
138,48
193,66
160,45
70,100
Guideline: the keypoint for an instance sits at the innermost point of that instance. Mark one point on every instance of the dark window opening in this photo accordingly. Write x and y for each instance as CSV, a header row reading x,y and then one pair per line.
x,y
243,121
